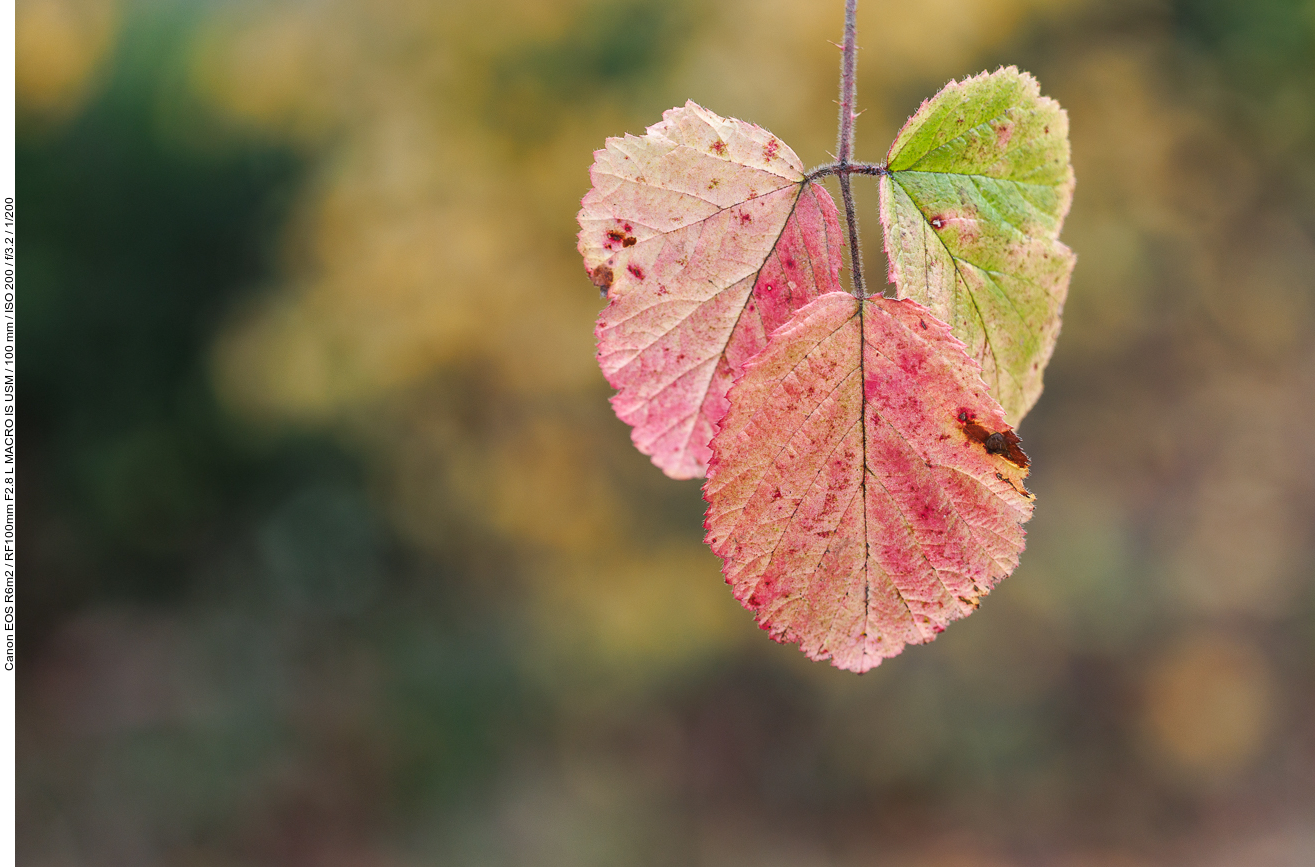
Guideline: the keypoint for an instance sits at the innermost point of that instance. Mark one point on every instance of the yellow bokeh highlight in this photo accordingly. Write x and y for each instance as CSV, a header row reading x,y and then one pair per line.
x,y
1210,704
61,45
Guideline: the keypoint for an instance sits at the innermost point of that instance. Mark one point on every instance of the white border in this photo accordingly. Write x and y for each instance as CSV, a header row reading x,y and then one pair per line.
x,y
8,696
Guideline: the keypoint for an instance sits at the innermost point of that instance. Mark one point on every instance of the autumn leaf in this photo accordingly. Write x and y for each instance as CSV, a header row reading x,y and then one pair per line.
x,y
978,185
705,236
865,489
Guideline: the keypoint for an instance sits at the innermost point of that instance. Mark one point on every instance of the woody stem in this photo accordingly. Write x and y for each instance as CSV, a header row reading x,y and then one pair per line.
x,y
845,147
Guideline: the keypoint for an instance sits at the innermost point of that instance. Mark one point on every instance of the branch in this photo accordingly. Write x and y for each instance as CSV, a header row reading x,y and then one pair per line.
x,y
845,146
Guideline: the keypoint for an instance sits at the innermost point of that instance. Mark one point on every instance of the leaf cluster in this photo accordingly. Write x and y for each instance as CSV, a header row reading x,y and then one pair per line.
x,y
865,482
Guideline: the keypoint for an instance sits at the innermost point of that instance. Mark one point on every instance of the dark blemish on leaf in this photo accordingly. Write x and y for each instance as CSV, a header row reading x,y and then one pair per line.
x,y
745,218
719,148
971,601
635,270
641,180
1003,443
714,183
923,323
938,222
616,236
770,149
1045,129
602,278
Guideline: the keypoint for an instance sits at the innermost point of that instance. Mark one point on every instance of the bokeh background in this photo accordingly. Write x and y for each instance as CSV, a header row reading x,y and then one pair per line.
x,y
332,552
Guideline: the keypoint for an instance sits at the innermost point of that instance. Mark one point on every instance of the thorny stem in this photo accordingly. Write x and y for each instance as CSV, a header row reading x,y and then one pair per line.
x,y
845,147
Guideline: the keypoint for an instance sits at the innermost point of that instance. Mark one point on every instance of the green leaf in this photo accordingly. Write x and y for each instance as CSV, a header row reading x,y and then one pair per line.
x,y
979,182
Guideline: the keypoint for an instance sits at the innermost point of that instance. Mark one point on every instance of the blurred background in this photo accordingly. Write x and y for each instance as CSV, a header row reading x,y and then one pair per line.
x,y
333,553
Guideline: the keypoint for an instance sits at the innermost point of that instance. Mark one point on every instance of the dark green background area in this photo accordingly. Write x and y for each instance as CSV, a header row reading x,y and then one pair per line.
x,y
139,494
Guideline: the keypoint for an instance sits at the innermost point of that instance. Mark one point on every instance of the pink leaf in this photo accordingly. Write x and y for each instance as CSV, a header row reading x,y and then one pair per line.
x,y
706,238
865,489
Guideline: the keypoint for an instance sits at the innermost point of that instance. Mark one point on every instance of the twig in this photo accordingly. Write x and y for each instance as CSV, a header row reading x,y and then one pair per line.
x,y
845,146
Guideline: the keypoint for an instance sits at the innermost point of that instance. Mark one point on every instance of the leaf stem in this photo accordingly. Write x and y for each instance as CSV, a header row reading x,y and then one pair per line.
x,y
826,169
845,146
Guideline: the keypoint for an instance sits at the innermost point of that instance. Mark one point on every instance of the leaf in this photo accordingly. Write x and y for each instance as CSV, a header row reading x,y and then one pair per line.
x,y
865,489
978,187
706,237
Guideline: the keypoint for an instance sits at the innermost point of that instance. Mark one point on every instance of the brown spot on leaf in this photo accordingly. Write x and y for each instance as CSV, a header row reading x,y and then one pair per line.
x,y
923,323
713,184
770,149
745,218
1003,443
617,237
938,222
637,271
719,148
602,278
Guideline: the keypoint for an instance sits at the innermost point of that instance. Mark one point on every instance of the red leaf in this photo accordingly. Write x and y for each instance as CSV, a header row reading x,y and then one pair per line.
x,y
865,489
705,237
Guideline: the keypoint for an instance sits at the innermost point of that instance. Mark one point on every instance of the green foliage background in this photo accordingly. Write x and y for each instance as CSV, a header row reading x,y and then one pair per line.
x,y
333,553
